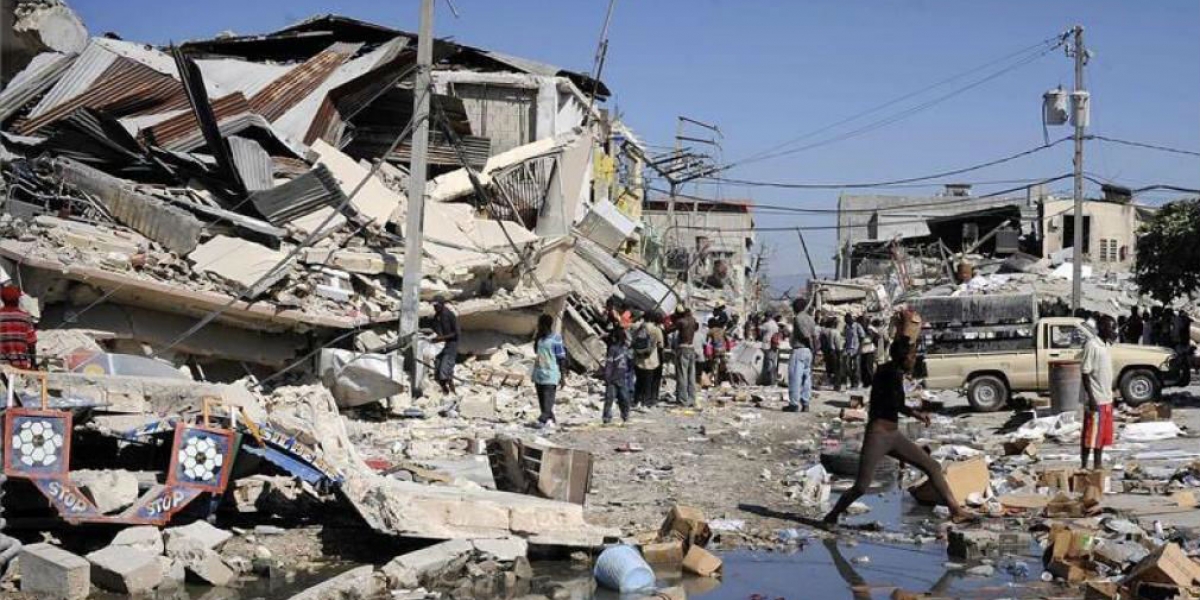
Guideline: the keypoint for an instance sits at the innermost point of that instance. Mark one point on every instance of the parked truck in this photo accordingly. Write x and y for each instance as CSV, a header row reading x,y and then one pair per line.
x,y
993,346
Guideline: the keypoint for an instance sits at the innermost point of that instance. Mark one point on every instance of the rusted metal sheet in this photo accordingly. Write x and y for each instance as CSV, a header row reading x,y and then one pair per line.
x,y
126,88
93,62
168,133
347,100
283,93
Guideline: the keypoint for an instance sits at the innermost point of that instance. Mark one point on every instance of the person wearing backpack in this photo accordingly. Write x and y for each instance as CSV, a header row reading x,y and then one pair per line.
x,y
647,345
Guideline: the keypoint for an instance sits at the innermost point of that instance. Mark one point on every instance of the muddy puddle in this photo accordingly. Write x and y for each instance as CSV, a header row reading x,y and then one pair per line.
x,y
854,566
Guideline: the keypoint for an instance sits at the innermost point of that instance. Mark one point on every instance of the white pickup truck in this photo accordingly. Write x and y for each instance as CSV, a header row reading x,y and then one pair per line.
x,y
990,370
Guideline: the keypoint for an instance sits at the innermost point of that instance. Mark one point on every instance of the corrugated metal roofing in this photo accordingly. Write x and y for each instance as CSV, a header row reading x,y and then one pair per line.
x,y
87,68
169,133
253,164
140,53
280,95
125,88
301,196
396,62
39,75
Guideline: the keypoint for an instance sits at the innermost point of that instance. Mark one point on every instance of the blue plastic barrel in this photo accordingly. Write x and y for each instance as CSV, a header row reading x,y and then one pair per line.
x,y
622,568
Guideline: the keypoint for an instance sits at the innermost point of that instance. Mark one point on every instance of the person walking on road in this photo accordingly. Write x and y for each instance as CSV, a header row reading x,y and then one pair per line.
x,y
852,351
617,375
769,336
804,341
831,348
684,327
884,438
548,368
1096,394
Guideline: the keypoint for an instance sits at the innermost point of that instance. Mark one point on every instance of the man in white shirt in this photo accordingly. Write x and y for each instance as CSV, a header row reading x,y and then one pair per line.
x,y
1096,394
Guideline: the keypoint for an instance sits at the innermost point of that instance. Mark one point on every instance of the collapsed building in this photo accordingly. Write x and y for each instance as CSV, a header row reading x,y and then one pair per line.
x,y
210,237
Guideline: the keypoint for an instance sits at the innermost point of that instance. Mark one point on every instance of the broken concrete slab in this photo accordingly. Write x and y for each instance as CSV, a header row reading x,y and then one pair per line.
x,y
174,228
356,379
201,564
503,549
125,570
410,570
251,267
146,538
50,572
200,532
375,201
359,582
110,490
409,509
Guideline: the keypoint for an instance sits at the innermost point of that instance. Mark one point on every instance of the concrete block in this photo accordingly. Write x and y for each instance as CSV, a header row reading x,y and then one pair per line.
x,y
199,531
125,570
53,573
173,571
477,407
146,538
110,490
359,582
407,571
503,549
201,564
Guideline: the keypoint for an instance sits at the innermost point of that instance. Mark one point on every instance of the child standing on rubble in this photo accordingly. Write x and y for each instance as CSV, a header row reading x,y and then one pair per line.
x,y
547,368
883,436
617,374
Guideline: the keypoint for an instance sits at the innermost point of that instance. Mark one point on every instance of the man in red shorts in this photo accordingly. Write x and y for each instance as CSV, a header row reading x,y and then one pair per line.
x,y
1096,394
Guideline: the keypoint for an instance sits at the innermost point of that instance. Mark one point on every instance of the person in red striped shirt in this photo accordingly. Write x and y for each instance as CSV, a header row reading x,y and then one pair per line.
x,y
18,336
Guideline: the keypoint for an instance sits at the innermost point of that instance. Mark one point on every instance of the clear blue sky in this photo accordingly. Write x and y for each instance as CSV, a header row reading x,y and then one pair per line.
x,y
767,71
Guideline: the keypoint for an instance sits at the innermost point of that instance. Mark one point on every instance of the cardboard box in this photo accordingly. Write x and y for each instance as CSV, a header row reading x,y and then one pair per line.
x,y
701,562
664,553
964,478
853,415
1058,479
1063,506
688,524
1016,447
1100,590
1154,411
1185,499
1068,571
1167,565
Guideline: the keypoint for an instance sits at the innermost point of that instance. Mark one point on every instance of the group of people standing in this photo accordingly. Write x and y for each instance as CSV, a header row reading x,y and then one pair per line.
x,y
1158,326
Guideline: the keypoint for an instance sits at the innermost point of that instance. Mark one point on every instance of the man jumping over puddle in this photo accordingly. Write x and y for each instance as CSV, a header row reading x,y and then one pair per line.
x,y
883,437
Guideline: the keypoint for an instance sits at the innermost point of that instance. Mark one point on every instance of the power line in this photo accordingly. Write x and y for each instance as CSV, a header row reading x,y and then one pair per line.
x,y
1144,145
943,174
1045,47
957,200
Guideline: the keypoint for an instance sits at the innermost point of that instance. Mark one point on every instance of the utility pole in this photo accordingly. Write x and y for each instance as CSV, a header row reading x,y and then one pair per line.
x,y
1078,107
414,226
674,182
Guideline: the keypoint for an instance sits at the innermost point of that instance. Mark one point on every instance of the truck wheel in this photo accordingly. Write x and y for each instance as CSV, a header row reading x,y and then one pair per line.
x,y
987,393
1139,386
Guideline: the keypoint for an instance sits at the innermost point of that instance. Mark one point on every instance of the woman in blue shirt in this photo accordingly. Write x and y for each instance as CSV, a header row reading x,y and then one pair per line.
x,y
547,367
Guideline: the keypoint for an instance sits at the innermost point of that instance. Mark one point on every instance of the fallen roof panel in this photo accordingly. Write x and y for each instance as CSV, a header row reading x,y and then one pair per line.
x,y
253,164
87,68
299,197
274,100
38,76
125,88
